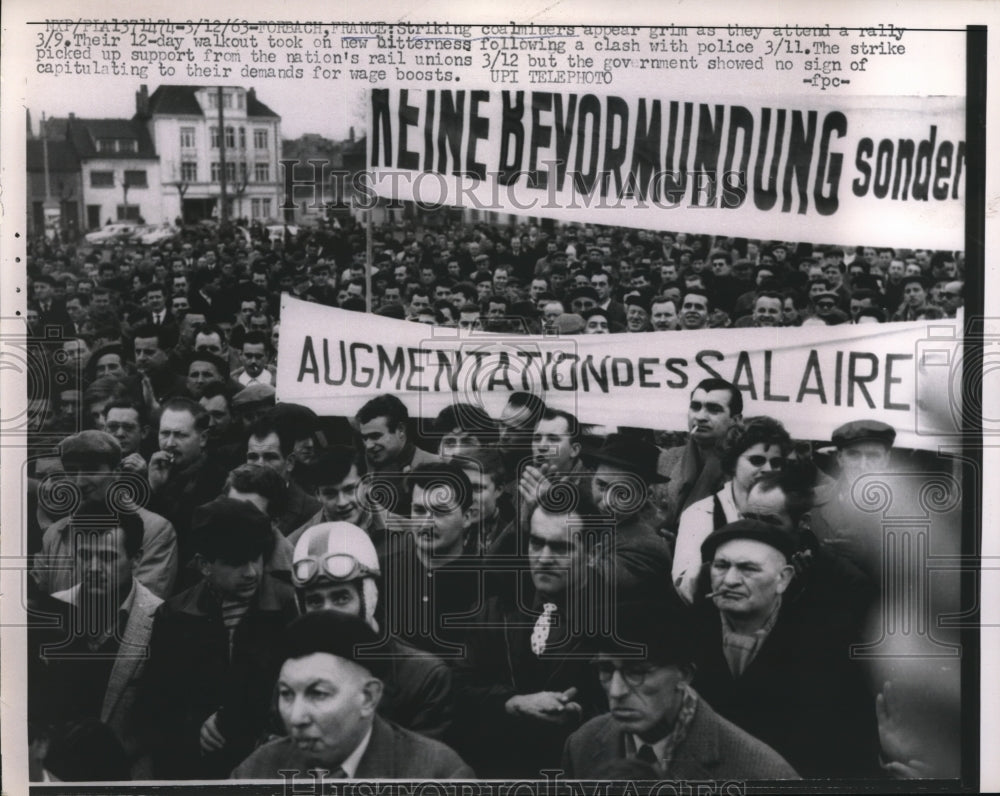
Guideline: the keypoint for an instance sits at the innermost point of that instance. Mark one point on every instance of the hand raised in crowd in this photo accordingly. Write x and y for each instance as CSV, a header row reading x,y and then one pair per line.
x,y
134,463
211,740
555,707
534,483
159,469
148,396
900,743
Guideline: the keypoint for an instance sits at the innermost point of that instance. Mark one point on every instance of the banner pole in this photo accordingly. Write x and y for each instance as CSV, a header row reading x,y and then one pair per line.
x,y
369,249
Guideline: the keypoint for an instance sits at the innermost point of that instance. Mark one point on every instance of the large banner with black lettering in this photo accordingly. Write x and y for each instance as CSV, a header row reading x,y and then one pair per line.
x,y
837,169
903,373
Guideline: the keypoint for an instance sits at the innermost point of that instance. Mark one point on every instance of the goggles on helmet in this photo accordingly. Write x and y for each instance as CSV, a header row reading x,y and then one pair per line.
x,y
338,567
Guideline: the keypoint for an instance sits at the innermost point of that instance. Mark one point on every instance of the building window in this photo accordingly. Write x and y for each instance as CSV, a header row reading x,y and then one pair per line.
x,y
189,171
105,145
128,212
214,135
244,173
262,172
239,100
187,138
231,137
230,172
243,138
136,179
102,179
128,145
213,100
260,139
260,208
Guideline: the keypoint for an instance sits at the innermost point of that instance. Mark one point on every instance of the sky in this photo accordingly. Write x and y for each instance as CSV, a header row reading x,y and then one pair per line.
x,y
304,106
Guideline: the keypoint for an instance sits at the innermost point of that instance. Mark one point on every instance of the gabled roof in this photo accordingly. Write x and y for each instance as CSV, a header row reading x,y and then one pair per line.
x,y
181,100
83,135
174,101
61,156
257,108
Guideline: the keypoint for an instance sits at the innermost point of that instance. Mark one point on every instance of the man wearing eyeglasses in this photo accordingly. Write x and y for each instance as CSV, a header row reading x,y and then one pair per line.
x,y
128,422
656,717
335,568
952,299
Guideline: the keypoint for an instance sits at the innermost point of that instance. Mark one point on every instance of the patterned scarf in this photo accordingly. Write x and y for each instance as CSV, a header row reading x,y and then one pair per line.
x,y
689,704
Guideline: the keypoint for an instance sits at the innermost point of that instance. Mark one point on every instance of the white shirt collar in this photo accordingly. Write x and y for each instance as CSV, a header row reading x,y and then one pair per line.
x,y
350,765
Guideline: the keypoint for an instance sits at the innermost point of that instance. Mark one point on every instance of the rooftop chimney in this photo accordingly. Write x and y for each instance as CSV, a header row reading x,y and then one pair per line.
x,y
142,101
350,134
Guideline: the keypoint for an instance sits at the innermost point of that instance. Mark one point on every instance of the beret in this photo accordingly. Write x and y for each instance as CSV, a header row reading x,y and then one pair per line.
x,y
91,444
336,634
225,516
253,394
569,323
864,431
757,531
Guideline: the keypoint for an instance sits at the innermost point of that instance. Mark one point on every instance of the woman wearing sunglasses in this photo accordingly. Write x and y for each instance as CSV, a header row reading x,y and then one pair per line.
x,y
757,445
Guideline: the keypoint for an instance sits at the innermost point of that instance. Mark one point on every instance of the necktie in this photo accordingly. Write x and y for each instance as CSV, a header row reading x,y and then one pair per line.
x,y
543,625
647,755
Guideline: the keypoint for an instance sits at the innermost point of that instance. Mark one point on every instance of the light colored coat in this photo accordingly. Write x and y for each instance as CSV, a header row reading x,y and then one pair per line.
x,y
117,709
53,569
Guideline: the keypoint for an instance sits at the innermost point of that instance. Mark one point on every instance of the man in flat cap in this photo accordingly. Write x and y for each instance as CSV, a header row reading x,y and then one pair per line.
x,y
780,670
864,447
91,460
213,655
251,403
328,693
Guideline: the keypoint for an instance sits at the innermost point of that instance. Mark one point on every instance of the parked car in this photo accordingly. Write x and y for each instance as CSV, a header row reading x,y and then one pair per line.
x,y
158,233
110,232
135,234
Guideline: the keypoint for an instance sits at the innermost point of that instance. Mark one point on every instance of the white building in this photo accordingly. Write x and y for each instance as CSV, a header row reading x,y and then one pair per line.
x,y
119,170
183,123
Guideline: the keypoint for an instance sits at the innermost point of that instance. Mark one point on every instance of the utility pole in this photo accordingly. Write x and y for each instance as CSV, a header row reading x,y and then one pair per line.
x,y
223,207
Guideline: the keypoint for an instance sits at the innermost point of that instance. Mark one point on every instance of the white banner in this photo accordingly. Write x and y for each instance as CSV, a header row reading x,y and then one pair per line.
x,y
813,379
829,169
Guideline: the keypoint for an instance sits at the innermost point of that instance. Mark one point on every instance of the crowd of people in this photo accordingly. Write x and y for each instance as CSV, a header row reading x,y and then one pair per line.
x,y
244,588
